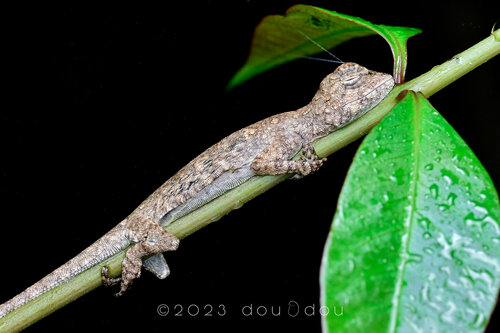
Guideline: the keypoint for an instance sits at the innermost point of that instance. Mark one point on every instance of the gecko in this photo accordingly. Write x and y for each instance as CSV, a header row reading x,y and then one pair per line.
x,y
264,148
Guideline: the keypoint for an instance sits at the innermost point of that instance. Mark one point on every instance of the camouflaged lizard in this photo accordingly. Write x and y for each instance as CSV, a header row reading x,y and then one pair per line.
x,y
264,148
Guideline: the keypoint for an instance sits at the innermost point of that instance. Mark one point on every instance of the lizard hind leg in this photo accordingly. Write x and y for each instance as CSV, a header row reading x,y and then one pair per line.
x,y
149,239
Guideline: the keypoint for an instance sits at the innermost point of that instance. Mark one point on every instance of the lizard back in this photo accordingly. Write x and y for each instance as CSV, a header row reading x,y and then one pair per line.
x,y
218,169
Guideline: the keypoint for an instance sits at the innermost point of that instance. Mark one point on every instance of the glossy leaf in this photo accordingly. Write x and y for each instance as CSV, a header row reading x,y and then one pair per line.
x,y
415,242
279,39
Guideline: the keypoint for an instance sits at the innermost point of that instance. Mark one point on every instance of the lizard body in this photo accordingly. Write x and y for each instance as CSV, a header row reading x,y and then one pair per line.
x,y
264,148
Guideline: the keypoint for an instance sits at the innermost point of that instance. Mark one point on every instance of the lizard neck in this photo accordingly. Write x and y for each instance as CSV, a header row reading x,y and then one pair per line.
x,y
318,118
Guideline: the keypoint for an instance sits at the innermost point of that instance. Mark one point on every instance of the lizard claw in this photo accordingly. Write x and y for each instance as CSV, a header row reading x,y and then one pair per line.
x,y
107,280
310,162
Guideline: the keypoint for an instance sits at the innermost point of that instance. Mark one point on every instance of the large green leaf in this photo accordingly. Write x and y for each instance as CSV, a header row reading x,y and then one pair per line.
x,y
414,245
279,39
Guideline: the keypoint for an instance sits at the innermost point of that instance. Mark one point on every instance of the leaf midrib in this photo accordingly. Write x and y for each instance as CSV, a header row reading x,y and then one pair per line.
x,y
413,191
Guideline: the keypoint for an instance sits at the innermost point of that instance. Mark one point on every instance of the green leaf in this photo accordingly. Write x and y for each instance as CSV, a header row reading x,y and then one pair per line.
x,y
414,245
279,39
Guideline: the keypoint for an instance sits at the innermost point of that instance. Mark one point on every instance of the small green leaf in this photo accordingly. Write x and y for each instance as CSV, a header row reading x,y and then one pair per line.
x,y
415,242
279,39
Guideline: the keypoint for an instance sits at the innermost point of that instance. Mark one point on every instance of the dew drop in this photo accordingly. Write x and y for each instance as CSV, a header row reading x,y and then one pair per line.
x,y
429,167
414,257
445,269
443,207
451,199
448,315
462,171
466,282
381,151
446,248
425,223
398,176
470,220
351,265
488,224
480,321
482,275
480,209
434,191
424,293
427,235
449,177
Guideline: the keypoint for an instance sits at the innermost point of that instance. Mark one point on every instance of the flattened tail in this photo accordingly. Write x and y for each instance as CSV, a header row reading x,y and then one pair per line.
x,y
108,245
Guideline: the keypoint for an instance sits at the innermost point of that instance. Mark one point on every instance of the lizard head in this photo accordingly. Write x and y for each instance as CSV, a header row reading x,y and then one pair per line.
x,y
352,90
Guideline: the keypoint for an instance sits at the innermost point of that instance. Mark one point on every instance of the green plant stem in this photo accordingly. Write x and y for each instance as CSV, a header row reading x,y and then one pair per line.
x,y
441,76
428,83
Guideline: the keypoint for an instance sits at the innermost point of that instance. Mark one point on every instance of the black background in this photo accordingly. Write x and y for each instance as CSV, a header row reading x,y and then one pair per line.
x,y
107,101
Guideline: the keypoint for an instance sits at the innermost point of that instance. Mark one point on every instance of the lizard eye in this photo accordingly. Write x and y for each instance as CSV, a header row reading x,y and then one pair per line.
x,y
351,80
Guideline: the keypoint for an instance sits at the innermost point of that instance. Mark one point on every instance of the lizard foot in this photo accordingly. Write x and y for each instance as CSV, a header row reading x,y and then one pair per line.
x,y
310,162
131,268
150,239
107,280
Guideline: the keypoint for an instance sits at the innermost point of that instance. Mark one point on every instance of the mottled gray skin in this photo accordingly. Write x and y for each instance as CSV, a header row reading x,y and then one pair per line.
x,y
264,148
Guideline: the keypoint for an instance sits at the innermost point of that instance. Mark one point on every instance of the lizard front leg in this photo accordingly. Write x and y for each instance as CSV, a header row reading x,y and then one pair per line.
x,y
274,159
148,238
